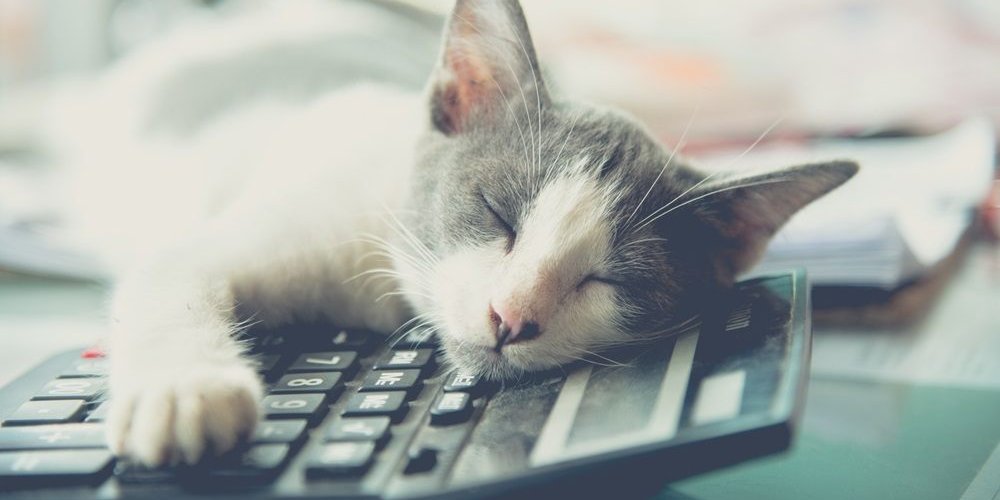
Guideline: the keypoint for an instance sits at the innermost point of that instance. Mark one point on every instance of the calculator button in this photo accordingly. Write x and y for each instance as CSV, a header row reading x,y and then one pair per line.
x,y
409,358
50,465
98,414
52,437
307,382
46,412
391,404
421,460
338,459
279,431
71,388
293,405
278,341
267,363
414,339
464,382
344,340
324,361
93,352
261,459
359,429
451,408
388,380
128,472
86,368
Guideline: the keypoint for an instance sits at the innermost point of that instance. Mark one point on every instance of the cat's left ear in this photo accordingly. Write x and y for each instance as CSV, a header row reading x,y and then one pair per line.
x,y
487,67
746,212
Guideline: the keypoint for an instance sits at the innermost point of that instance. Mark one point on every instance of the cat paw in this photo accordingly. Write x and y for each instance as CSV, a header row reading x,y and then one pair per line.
x,y
183,415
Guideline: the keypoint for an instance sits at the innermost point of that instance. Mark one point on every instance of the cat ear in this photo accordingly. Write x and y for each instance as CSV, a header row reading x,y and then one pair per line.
x,y
746,212
487,66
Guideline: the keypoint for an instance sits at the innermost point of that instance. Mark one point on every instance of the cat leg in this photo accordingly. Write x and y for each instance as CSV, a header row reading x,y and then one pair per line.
x,y
179,387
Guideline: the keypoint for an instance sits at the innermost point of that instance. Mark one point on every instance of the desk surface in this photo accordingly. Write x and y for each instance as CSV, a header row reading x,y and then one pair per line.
x,y
859,439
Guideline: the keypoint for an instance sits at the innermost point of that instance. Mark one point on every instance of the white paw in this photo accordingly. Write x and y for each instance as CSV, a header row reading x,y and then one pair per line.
x,y
180,415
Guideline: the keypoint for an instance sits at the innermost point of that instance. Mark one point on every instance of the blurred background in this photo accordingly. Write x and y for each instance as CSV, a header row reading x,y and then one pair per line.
x,y
905,385
827,66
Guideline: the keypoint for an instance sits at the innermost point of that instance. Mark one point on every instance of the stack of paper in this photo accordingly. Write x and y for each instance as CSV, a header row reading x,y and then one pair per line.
x,y
904,211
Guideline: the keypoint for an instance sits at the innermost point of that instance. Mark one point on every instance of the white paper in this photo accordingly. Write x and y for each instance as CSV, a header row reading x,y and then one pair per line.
x,y
956,344
905,210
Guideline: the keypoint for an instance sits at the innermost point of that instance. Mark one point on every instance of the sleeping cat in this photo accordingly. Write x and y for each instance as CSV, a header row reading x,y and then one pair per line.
x,y
524,230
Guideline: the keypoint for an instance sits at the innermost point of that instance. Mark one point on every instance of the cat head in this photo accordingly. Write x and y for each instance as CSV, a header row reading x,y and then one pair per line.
x,y
541,231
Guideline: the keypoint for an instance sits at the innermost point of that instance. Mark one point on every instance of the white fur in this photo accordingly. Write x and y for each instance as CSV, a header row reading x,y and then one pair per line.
x,y
271,208
283,241
275,209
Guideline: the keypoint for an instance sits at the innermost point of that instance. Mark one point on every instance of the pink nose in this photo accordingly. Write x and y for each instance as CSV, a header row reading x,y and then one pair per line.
x,y
511,326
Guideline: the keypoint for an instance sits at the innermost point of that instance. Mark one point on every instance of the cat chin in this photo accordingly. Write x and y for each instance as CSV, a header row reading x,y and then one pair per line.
x,y
486,362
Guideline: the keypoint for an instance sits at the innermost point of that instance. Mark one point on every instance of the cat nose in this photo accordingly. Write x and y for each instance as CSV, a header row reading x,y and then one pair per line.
x,y
511,327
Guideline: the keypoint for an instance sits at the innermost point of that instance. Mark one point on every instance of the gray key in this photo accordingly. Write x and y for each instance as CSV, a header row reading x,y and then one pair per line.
x,y
83,465
359,429
293,405
338,459
409,358
260,460
461,381
279,431
391,380
307,382
391,404
58,436
86,368
451,408
324,362
46,412
72,388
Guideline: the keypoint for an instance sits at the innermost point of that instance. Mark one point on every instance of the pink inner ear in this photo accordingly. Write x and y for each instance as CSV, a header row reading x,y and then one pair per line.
x,y
466,90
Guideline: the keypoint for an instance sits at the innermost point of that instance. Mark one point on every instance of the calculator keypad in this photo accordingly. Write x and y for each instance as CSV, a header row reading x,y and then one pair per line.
x,y
358,404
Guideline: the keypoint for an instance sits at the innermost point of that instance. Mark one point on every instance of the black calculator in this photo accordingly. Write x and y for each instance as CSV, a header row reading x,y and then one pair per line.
x,y
349,415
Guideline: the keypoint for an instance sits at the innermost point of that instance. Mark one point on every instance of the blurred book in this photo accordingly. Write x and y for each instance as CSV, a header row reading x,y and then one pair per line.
x,y
34,238
903,213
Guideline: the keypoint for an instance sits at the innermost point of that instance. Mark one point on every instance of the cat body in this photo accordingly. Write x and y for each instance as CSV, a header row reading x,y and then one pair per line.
x,y
526,231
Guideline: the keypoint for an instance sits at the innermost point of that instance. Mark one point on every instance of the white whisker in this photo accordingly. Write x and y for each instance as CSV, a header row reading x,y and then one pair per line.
x,y
677,147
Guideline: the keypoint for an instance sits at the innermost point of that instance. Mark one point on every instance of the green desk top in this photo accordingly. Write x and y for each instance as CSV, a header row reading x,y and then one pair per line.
x,y
878,441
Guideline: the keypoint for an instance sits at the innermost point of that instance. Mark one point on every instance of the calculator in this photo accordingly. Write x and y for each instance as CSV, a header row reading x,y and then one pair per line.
x,y
348,414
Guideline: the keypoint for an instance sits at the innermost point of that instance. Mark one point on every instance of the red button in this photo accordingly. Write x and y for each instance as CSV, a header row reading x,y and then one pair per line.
x,y
93,352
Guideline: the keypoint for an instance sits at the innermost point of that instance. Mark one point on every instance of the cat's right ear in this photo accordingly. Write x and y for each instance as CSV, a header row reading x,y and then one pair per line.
x,y
487,67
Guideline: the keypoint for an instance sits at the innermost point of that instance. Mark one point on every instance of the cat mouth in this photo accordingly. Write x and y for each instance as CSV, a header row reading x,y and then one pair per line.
x,y
483,360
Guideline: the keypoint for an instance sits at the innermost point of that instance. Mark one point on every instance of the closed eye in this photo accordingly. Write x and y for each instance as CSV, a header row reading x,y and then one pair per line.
x,y
507,228
598,278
